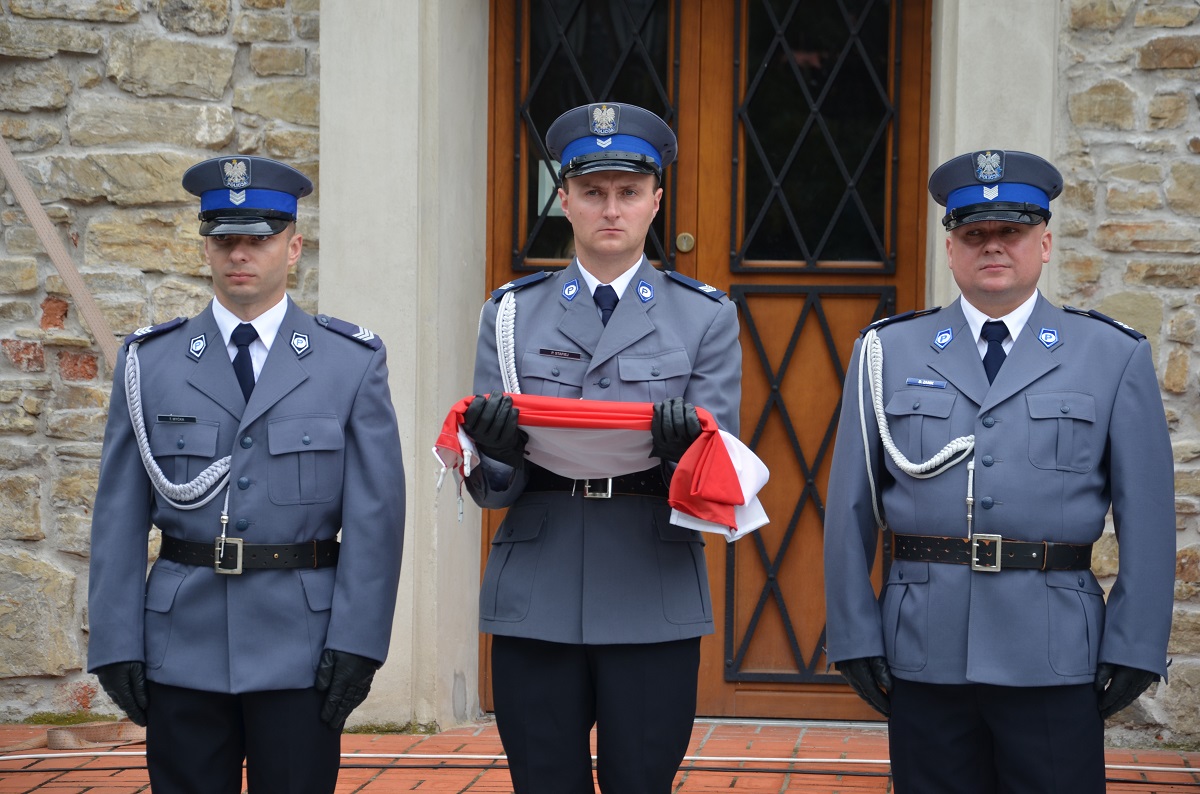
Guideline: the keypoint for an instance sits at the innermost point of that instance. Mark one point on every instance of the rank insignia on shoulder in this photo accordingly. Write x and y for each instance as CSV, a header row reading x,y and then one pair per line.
x,y
524,281
896,318
142,334
356,332
699,286
1113,322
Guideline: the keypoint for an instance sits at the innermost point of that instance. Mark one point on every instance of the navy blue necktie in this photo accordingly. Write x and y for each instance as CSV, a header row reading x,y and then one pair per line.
x,y
606,298
994,332
243,367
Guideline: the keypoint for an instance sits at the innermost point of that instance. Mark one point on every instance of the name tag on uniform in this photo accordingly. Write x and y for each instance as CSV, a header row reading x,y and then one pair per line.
x,y
176,419
560,353
932,384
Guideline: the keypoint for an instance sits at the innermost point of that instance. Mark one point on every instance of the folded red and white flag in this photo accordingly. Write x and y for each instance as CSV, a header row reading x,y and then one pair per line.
x,y
714,487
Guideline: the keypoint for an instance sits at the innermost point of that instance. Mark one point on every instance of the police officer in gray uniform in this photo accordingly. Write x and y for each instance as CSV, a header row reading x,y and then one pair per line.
x,y
992,437
595,600
251,435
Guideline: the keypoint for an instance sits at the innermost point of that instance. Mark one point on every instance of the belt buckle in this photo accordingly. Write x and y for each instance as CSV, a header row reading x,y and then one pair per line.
x,y
219,553
588,493
975,564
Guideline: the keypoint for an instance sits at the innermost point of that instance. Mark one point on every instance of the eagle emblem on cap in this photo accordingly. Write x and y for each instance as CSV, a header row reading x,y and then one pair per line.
x,y
236,173
604,119
989,166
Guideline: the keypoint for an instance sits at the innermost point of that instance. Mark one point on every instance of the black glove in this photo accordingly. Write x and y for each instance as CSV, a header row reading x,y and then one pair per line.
x,y
871,679
492,422
125,683
673,428
345,678
1117,686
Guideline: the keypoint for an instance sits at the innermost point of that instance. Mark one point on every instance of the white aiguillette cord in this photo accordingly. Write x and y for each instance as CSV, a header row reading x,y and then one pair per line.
x,y
89,312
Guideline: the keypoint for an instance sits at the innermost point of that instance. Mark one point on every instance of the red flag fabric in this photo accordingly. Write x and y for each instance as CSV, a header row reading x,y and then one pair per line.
x,y
714,487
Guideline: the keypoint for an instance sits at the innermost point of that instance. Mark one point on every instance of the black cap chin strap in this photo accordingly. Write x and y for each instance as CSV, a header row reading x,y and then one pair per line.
x,y
1023,212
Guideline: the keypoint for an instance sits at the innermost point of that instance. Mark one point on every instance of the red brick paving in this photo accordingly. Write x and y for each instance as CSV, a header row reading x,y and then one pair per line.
x,y
738,757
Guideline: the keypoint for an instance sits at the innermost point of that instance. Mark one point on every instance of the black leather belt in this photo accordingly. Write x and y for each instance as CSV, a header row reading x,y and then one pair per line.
x,y
236,556
642,483
991,553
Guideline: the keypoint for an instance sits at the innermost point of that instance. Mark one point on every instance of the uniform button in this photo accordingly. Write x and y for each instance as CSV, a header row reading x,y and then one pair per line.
x,y
242,524
243,483
180,443
900,575
247,442
604,383
1081,581
988,421
986,502
988,460
554,372
654,373
916,405
1066,409
306,440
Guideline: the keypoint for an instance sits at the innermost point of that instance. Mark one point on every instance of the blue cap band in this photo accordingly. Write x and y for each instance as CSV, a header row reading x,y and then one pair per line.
x,y
251,199
615,143
1005,191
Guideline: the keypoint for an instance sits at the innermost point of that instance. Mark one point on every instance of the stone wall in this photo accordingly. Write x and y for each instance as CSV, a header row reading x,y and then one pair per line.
x,y
1127,237
105,103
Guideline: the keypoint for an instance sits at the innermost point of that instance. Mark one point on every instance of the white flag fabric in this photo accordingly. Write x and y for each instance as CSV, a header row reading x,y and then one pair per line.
x,y
714,487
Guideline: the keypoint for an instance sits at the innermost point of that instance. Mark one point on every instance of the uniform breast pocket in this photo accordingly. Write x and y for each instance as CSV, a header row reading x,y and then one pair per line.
x,y
655,377
552,376
307,457
920,421
1062,431
184,449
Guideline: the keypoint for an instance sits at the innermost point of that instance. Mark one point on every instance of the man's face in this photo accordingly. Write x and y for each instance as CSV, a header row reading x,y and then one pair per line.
x,y
249,272
610,213
996,264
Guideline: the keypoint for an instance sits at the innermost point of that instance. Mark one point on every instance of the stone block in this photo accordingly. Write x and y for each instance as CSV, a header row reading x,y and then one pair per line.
x,y
54,313
1183,326
1108,105
122,178
1078,271
44,40
106,121
77,366
85,395
147,241
112,281
1131,201
1178,696
148,65
37,617
74,534
268,60
83,10
34,86
1183,188
251,27
264,5
1098,14
1174,377
1151,173
205,17
28,135
291,144
1171,275
308,26
1168,111
1105,555
16,311
17,420
176,298
293,100
1170,52
21,456
18,275
75,485
124,314
306,6
76,425
1140,310
1166,16
20,507
25,356
1148,236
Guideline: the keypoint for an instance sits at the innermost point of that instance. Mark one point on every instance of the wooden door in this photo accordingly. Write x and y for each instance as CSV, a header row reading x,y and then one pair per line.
x,y
799,191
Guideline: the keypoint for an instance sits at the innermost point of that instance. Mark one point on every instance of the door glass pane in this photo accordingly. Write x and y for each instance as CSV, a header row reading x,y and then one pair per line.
x,y
584,51
814,122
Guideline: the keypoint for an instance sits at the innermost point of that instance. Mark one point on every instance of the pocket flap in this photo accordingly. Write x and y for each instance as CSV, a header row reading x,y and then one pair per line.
x,y
908,572
1083,581
198,439
306,433
318,588
660,366
921,402
161,589
521,523
674,533
569,371
1062,405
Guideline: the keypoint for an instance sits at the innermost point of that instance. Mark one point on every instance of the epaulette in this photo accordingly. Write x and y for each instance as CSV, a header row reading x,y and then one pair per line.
x,y
356,332
1093,313
524,281
700,286
896,318
142,334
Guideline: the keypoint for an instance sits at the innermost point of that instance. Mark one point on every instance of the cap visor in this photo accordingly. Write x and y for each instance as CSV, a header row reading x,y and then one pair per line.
x,y
1013,216
610,165
248,225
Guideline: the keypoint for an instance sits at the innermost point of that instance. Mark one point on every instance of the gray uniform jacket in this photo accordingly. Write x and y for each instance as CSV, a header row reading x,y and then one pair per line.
x,y
315,451
599,571
1072,426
